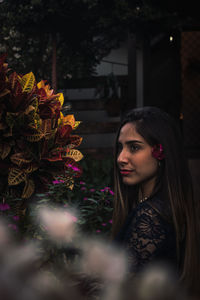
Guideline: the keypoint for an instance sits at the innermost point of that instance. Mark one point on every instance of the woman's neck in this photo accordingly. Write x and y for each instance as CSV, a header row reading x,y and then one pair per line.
x,y
146,188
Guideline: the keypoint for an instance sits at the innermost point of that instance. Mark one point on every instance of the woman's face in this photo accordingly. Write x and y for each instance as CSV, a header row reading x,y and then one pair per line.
x,y
135,161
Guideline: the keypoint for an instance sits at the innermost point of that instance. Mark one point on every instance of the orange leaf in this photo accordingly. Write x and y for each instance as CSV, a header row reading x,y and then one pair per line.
x,y
69,120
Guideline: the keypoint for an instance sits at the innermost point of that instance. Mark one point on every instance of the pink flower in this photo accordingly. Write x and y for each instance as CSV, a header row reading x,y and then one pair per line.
x,y
82,182
107,188
16,218
158,152
102,190
4,206
73,168
92,190
103,224
85,198
83,188
57,181
111,192
110,221
98,230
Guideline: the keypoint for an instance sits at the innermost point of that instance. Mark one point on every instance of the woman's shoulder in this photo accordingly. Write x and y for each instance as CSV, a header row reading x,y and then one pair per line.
x,y
155,206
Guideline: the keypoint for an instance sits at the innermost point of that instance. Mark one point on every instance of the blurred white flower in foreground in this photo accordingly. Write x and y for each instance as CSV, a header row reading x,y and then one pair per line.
x,y
158,282
59,224
108,264
104,261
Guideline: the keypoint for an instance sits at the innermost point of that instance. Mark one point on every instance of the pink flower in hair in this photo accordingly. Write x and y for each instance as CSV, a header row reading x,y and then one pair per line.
x,y
158,152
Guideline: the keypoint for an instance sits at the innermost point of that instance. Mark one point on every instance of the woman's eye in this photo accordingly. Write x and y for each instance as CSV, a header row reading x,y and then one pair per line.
x,y
134,148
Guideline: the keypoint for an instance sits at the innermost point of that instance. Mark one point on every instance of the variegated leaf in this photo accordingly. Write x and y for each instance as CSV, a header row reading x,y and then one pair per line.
x,y
74,154
31,168
20,159
29,189
4,150
34,102
46,128
16,176
34,137
27,82
75,141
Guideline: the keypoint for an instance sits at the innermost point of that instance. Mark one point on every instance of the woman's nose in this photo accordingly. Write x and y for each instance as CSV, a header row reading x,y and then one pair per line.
x,y
122,157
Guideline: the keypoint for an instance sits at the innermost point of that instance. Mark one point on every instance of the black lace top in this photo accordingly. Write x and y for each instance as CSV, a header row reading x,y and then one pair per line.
x,y
148,235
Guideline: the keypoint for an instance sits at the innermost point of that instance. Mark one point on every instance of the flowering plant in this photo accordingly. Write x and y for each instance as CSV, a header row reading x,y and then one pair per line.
x,y
36,142
92,205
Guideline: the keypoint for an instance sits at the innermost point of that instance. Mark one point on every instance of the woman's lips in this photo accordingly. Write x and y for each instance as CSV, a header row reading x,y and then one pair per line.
x,y
125,172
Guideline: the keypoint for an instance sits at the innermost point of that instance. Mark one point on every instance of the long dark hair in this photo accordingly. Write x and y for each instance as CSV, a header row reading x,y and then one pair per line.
x,y
174,182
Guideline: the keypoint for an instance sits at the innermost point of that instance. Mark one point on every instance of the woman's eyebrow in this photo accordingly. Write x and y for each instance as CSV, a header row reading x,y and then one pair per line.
x,y
134,142
131,142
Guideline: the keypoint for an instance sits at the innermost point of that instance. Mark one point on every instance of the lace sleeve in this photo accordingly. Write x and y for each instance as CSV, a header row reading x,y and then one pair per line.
x,y
146,237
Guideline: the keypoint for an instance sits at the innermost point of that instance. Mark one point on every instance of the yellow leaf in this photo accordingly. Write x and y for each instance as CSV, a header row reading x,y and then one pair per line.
x,y
16,176
61,116
60,119
77,123
29,188
41,84
75,154
27,82
60,98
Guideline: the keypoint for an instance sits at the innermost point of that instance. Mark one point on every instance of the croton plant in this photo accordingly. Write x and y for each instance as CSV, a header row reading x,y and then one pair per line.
x,y
36,140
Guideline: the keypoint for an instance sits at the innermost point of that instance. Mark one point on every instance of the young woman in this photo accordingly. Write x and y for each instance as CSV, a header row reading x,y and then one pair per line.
x,y
154,215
